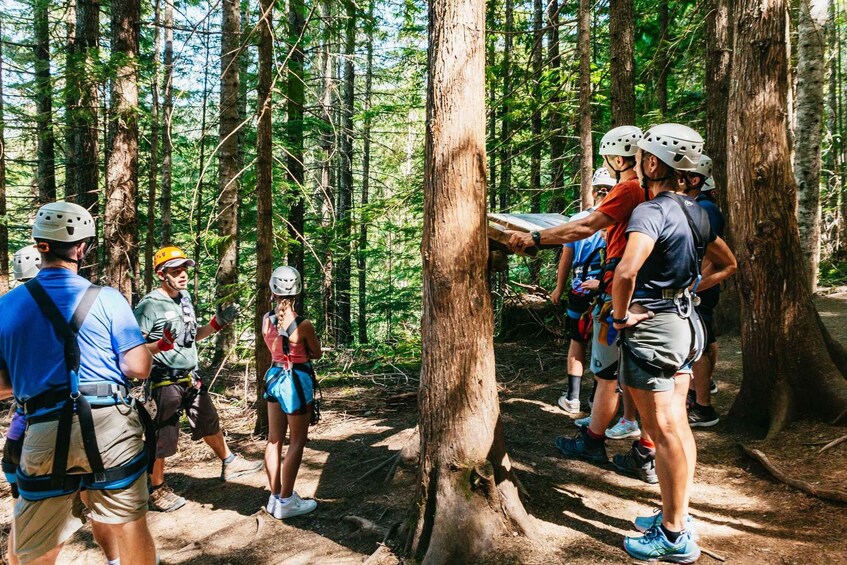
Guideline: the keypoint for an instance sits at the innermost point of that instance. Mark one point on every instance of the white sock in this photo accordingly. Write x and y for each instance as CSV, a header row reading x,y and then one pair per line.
x,y
116,561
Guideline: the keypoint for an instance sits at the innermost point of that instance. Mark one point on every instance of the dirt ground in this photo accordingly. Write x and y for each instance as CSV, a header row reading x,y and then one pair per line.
x,y
744,516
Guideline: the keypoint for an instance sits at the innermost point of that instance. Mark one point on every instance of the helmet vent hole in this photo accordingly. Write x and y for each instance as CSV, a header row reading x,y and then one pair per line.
x,y
70,230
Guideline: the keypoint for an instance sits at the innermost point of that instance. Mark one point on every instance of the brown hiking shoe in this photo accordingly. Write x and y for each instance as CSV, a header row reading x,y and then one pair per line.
x,y
239,467
163,499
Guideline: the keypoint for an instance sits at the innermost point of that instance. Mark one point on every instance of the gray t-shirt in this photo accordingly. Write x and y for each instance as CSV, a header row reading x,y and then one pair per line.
x,y
673,262
154,310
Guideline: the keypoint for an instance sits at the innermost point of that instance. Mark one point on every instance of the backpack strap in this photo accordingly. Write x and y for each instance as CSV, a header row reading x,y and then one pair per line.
x,y
75,403
700,233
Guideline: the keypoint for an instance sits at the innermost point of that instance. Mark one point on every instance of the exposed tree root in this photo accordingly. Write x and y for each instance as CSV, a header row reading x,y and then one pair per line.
x,y
376,468
837,352
835,495
832,444
382,556
366,526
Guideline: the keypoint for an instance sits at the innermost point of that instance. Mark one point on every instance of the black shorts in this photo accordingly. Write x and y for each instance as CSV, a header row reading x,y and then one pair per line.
x,y
708,317
171,401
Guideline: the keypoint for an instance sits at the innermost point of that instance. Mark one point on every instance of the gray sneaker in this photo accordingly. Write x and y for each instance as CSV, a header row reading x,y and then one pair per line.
x,y
569,406
637,463
163,499
239,467
293,506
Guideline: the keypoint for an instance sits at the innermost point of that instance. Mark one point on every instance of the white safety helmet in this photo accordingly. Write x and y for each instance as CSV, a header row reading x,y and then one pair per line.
x,y
602,178
621,141
704,166
676,145
64,222
708,185
285,281
26,263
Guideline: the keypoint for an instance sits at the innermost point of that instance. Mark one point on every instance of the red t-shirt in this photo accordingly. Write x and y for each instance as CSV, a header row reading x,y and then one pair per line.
x,y
618,205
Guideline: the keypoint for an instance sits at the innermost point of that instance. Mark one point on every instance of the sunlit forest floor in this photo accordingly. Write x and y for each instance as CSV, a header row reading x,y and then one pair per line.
x,y
743,514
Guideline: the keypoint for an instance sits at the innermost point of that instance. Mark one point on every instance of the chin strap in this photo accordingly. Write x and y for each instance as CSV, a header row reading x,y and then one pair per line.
x,y
617,171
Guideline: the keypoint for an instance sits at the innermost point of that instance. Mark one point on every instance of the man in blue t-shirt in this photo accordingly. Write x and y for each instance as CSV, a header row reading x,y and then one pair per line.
x,y
583,260
700,185
33,367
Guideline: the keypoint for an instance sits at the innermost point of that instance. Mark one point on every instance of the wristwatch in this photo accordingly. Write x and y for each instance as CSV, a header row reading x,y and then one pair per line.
x,y
536,237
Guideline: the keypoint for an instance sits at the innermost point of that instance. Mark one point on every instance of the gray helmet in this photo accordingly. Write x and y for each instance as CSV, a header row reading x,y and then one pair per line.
x,y
621,141
602,178
704,166
676,145
63,221
26,263
285,281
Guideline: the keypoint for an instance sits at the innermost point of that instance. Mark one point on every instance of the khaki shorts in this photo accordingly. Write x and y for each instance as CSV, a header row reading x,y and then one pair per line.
x,y
664,341
42,525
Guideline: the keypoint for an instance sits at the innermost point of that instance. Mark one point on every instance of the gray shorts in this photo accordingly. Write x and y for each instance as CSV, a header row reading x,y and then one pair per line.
x,y
171,401
604,357
662,347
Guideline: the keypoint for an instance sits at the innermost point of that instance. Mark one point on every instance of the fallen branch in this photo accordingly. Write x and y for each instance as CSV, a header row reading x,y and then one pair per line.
x,y
390,459
833,443
826,494
366,526
713,555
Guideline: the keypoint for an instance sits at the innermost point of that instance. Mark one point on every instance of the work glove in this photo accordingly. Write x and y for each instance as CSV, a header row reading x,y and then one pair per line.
x,y
166,343
225,316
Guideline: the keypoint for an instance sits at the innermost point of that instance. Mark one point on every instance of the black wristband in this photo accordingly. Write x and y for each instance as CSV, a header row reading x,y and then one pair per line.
x,y
536,237
621,321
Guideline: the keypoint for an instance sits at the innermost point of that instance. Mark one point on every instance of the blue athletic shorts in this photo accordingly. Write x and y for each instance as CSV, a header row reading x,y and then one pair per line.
x,y
293,389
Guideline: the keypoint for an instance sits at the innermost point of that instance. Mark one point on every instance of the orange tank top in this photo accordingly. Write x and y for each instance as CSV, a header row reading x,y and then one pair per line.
x,y
296,349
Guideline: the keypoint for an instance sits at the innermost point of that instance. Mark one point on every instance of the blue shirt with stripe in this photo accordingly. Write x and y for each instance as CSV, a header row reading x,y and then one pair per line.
x,y
32,354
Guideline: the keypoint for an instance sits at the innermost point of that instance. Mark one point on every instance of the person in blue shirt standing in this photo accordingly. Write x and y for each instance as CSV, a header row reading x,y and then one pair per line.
x,y
583,260
83,430
700,185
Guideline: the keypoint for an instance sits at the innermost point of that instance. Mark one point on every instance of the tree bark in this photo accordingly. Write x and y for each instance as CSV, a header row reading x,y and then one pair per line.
x,y
586,158
491,61
295,172
719,30
364,216
264,204
505,111
466,494
153,167
663,61
168,110
788,371
622,61
83,174
229,181
71,97
4,230
557,146
121,226
811,76
535,152
199,206
46,175
833,156
326,193
345,193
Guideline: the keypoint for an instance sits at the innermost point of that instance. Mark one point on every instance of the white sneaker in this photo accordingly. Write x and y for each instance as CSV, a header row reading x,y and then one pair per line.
x,y
569,406
582,422
624,429
273,501
293,506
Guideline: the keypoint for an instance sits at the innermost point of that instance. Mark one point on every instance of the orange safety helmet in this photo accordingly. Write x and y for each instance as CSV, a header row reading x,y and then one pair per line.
x,y
169,257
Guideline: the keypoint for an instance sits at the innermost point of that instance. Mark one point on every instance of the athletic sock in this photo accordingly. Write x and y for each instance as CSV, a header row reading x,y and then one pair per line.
x,y
647,444
229,459
672,536
116,561
593,438
573,387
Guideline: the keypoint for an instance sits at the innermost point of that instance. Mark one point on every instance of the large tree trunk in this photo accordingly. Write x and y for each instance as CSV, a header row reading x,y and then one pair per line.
x,y
198,206
663,61
788,371
622,60
168,111
719,29
121,227
83,174
505,109
833,156
364,216
153,168
557,146
295,171
71,98
4,230
229,182
326,193
264,203
811,75
46,176
490,61
466,495
586,158
535,152
344,334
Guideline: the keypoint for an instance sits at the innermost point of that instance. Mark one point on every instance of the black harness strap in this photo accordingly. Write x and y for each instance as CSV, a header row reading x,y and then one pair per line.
x,y
68,333
699,233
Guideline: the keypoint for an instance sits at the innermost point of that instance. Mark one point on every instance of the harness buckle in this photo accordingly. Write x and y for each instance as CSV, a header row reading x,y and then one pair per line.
x,y
99,477
75,396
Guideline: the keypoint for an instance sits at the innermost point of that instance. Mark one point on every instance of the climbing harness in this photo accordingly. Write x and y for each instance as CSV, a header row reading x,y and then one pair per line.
x,y
276,379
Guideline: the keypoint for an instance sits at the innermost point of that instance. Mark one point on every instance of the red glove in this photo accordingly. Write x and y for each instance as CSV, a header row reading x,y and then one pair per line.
x,y
168,337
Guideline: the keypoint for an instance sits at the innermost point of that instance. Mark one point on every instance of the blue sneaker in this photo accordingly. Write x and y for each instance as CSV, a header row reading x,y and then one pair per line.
x,y
655,546
582,422
644,523
579,447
